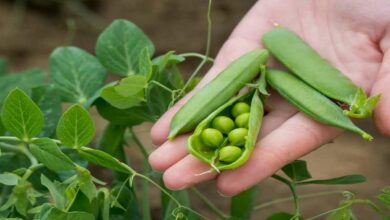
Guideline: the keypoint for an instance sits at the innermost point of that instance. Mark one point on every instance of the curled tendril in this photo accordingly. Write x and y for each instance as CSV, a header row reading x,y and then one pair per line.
x,y
348,195
178,213
386,189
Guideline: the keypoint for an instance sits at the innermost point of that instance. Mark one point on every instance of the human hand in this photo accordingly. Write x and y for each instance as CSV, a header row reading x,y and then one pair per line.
x,y
354,35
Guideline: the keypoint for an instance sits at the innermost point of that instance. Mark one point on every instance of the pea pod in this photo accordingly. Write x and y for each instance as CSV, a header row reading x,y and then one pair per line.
x,y
210,155
217,92
310,67
311,102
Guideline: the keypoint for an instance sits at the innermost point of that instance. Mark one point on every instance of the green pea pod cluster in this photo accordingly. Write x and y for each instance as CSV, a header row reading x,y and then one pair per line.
x,y
218,91
227,155
309,66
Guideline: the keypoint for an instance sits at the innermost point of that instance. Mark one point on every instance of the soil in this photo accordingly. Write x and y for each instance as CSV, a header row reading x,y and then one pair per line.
x,y
28,34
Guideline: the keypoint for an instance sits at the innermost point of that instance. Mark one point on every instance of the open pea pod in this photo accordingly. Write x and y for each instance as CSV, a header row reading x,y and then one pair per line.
x,y
211,155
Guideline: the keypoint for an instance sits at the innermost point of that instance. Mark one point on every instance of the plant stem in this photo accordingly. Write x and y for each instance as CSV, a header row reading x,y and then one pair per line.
x,y
293,190
162,86
9,138
304,196
144,183
208,203
197,55
207,53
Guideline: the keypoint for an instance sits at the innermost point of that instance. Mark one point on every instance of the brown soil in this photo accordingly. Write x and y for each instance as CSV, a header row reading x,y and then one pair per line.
x,y
28,35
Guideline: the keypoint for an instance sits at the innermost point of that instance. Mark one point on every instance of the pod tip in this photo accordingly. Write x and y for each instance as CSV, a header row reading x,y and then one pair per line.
x,y
367,136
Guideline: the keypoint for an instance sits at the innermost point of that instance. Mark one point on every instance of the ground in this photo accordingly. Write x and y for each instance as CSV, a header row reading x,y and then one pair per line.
x,y
29,33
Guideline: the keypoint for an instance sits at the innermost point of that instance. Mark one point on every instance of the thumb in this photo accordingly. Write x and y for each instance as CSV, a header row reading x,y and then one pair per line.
x,y
381,86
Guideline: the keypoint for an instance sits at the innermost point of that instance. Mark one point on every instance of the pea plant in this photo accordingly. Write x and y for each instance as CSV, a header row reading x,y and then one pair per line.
x,y
47,155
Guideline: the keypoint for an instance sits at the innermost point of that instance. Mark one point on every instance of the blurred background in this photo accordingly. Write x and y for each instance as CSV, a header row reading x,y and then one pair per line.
x,y
31,29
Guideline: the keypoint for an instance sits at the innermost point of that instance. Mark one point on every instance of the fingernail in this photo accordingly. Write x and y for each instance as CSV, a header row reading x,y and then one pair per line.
x,y
223,195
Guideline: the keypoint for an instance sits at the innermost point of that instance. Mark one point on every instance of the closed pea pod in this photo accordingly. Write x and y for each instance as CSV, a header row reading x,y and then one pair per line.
x,y
310,67
311,102
217,92
231,157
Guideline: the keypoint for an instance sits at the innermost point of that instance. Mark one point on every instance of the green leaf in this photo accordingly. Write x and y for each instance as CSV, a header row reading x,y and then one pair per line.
x,y
111,140
241,205
297,170
125,204
56,214
159,99
384,197
280,216
21,116
349,179
75,128
120,45
24,80
86,184
131,86
3,66
57,191
48,99
130,117
145,64
128,93
166,60
2,128
9,179
48,153
343,213
76,73
103,159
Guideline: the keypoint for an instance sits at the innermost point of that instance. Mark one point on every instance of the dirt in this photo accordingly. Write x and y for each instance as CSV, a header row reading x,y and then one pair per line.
x,y
29,33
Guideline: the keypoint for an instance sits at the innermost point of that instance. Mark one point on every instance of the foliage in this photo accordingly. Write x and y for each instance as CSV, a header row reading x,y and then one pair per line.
x,y
44,152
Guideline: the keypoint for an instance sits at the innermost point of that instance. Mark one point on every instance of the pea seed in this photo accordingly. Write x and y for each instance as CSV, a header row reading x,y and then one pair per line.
x,y
223,124
229,154
238,136
212,137
240,108
242,121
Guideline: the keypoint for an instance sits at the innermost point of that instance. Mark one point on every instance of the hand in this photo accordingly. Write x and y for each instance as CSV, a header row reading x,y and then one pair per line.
x,y
354,35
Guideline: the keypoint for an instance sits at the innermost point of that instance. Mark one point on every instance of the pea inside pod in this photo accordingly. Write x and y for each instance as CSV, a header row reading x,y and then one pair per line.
x,y
228,155
317,72
311,102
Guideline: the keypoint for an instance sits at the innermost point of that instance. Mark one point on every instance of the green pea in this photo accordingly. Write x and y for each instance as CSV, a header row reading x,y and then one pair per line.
x,y
238,136
217,92
310,101
240,108
212,137
223,124
229,153
242,121
316,71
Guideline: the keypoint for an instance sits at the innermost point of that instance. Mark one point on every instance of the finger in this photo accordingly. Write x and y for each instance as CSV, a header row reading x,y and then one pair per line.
x,y
169,153
243,39
187,172
296,137
381,113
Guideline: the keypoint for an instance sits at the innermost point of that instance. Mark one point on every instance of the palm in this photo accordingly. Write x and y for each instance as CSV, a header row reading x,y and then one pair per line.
x,y
344,32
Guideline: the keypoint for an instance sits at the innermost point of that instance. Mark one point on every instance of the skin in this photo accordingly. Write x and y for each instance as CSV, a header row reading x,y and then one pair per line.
x,y
354,35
